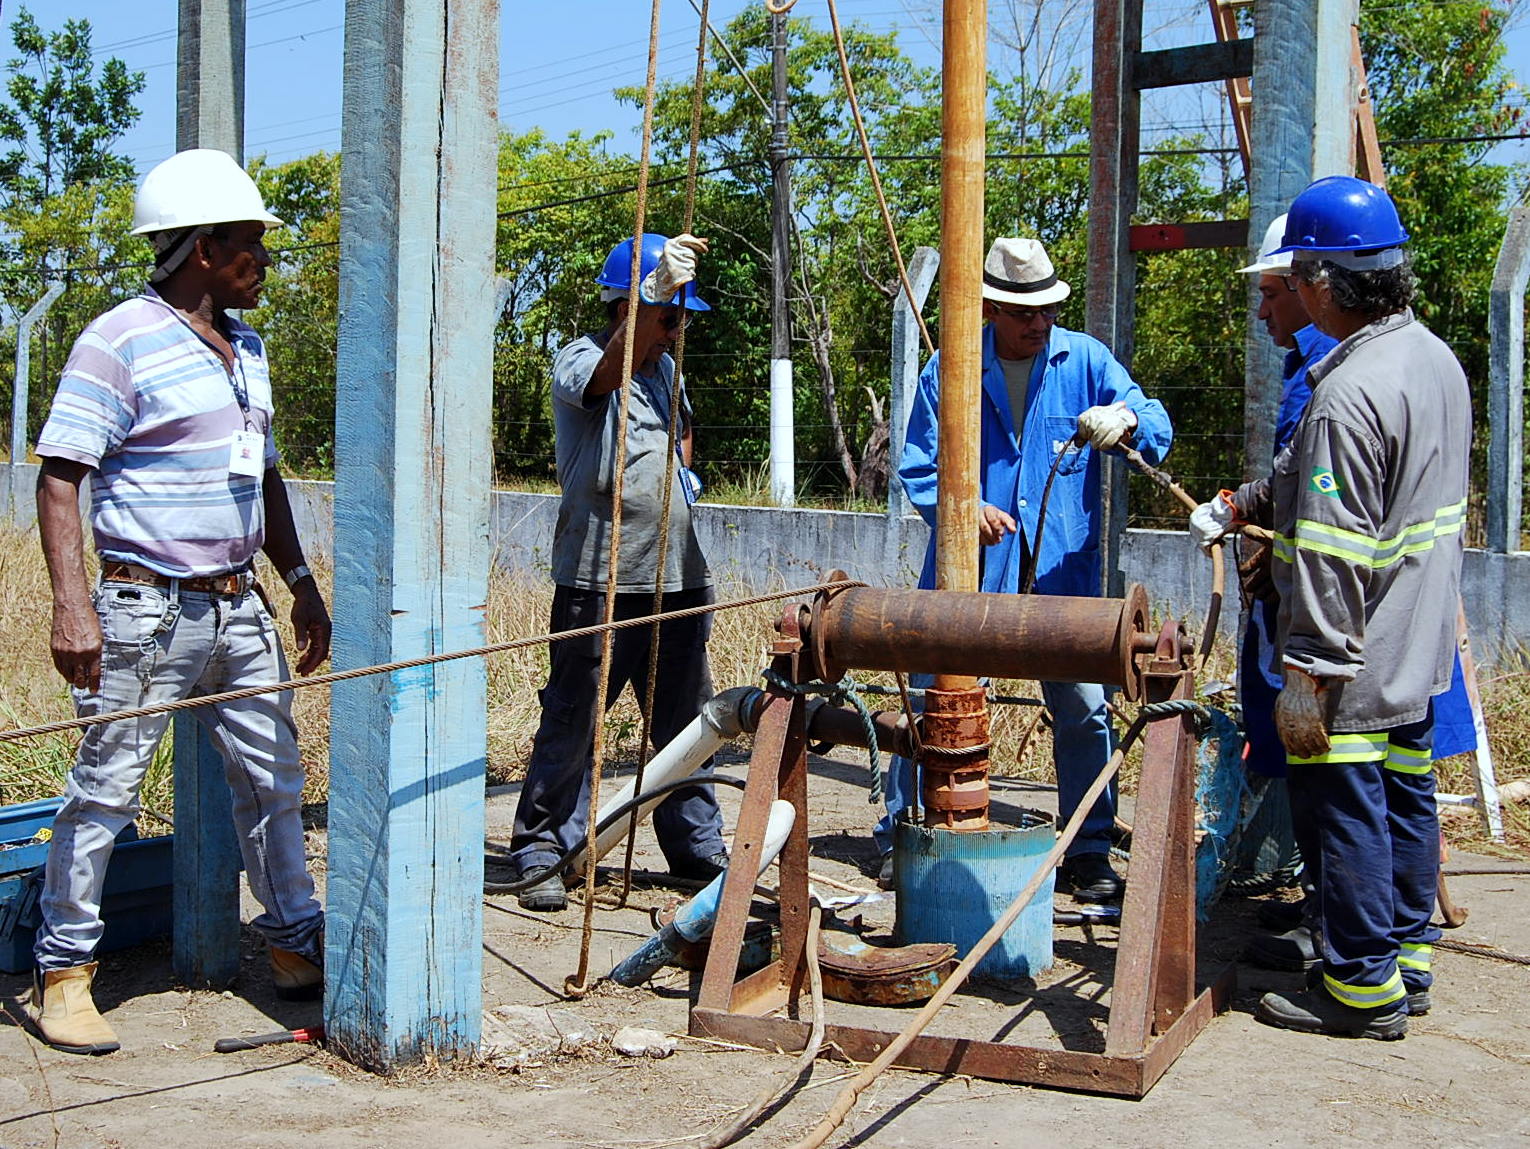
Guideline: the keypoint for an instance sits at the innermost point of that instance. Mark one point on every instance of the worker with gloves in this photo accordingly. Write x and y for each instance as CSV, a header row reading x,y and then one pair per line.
x,y
1367,503
165,409
1046,391
587,381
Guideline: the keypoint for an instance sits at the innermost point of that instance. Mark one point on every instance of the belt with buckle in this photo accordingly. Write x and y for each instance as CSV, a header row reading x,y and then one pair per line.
x,y
232,584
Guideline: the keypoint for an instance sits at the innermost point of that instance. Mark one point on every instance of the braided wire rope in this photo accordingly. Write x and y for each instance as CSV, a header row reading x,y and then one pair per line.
x,y
838,693
675,391
576,985
411,663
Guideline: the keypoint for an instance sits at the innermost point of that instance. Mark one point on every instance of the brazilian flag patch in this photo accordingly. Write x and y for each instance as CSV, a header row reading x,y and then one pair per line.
x,y
1325,482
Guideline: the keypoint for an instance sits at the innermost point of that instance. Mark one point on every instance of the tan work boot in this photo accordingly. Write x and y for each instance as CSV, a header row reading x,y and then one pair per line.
x,y
295,977
66,1016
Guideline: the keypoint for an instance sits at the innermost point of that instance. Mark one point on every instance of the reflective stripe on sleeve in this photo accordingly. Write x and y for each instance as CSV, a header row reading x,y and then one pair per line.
x,y
1352,546
1347,748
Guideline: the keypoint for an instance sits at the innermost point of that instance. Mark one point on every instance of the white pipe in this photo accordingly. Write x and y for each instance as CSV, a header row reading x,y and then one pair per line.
x,y
719,721
783,457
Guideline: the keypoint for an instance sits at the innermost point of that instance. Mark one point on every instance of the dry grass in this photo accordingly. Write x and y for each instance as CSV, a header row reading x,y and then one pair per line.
x,y
31,692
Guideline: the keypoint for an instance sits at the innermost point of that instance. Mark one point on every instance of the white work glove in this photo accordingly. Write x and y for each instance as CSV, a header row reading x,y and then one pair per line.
x,y
676,268
1103,427
690,483
1210,521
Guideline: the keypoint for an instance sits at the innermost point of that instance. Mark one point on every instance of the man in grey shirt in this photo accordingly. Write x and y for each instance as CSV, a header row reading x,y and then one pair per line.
x,y
587,408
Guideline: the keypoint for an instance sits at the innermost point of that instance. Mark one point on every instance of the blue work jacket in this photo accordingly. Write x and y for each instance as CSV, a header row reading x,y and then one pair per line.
x,y
1295,387
1075,372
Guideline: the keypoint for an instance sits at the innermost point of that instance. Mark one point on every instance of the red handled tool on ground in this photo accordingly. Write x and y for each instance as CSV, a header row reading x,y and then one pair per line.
x,y
307,1035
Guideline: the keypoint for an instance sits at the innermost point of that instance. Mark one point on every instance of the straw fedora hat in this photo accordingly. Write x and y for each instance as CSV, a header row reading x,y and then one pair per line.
x,y
1018,271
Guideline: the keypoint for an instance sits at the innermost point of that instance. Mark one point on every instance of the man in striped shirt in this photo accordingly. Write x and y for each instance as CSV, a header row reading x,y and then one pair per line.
x,y
165,406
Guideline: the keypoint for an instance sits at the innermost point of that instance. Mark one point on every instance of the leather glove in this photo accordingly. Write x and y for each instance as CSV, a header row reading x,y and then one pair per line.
x,y
1210,521
1299,715
676,268
1103,427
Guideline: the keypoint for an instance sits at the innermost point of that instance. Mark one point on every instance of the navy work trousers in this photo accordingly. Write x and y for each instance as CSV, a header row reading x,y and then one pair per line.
x,y
1367,813
555,797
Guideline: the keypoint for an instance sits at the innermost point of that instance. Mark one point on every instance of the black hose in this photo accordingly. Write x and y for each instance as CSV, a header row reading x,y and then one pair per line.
x,y
526,881
1041,520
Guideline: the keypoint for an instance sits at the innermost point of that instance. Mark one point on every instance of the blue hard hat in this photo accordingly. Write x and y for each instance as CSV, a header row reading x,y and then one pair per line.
x,y
1342,213
617,270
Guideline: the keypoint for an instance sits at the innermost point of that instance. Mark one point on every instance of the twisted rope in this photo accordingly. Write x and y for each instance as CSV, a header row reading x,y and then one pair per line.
x,y
845,690
411,663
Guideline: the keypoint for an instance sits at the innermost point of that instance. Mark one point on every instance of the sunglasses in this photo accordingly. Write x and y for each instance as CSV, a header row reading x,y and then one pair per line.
x,y
1027,314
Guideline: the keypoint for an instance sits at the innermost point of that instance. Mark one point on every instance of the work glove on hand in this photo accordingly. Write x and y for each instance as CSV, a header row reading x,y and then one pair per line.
x,y
1299,715
690,484
676,268
1103,427
1210,521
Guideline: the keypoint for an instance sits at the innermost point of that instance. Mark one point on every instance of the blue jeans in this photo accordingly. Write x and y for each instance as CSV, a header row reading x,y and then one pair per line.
x,y
1082,742
161,645
555,798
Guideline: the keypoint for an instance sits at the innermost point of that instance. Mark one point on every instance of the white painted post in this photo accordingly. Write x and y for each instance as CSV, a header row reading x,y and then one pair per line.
x,y
21,387
403,963
905,373
205,948
1506,386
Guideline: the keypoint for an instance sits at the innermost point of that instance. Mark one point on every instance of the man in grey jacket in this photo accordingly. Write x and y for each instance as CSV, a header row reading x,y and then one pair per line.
x,y
1367,503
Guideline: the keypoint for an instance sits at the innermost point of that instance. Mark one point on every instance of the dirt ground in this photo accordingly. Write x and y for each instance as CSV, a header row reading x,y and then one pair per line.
x,y
1458,1078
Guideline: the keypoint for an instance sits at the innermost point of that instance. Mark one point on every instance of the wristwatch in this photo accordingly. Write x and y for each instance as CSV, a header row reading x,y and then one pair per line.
x,y
296,575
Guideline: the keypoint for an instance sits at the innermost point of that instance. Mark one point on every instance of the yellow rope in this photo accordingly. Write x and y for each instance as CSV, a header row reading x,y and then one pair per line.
x,y
576,985
871,168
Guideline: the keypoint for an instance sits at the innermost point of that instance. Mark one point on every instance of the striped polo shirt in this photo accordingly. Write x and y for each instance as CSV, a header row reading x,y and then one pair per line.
x,y
148,404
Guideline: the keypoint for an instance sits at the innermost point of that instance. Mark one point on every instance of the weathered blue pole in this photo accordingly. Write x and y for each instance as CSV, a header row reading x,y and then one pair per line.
x,y
1303,127
209,97
403,964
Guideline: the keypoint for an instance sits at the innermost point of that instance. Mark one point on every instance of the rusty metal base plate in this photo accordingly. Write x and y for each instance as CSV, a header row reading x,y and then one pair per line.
x,y
1130,1077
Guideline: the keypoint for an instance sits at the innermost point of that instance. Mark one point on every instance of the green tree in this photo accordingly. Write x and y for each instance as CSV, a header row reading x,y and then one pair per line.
x,y
63,119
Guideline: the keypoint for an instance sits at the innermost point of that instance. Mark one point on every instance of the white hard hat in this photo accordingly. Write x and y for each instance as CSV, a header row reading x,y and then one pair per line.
x,y
1271,261
194,188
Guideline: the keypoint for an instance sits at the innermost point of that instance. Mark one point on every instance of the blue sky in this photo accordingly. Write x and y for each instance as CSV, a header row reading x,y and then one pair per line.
x,y
548,77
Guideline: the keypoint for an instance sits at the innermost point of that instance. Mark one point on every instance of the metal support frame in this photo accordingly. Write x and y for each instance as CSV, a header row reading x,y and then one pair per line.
x,y
1155,1009
22,381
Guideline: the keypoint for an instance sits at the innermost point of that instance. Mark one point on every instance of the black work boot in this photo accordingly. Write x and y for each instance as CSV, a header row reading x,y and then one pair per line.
x,y
1092,878
1282,916
1293,950
1318,1011
701,869
547,896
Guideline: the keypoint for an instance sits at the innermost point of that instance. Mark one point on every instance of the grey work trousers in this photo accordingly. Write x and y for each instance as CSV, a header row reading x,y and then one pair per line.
x,y
555,798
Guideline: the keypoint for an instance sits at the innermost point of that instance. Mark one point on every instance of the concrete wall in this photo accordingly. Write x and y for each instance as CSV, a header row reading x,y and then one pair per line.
x,y
766,548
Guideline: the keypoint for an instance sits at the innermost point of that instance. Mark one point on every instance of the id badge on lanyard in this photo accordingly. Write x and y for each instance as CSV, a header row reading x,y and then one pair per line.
x,y
247,448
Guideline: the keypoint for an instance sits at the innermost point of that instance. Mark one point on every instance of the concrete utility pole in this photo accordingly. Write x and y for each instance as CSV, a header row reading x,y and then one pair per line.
x,y
209,76
403,962
1305,89
956,708
209,114
1506,385
783,450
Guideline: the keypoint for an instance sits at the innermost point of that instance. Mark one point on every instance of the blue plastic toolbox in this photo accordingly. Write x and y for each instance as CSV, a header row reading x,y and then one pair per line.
x,y
136,904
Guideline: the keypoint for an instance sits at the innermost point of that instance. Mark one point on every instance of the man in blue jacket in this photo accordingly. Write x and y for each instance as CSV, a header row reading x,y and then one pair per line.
x,y
1043,387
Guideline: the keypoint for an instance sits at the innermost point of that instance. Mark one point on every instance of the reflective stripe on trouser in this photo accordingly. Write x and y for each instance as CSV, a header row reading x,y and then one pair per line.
x,y
1376,830
159,647
1082,742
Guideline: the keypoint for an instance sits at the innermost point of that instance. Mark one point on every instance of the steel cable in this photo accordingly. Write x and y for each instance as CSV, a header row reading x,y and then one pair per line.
x,y
411,663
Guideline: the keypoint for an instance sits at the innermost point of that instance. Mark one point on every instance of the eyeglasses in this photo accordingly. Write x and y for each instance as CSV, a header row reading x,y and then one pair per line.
x,y
1027,314
675,321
